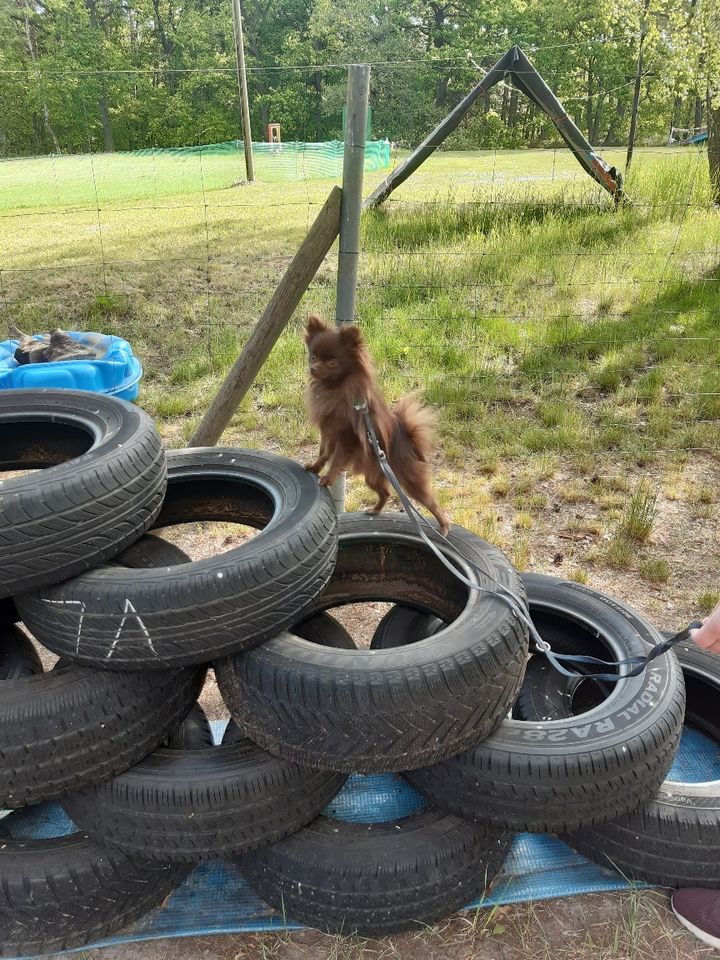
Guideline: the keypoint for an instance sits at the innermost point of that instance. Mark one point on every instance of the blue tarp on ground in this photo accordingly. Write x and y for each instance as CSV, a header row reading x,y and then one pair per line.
x,y
215,899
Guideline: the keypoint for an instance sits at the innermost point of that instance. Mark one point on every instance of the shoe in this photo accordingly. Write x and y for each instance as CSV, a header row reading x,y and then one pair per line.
x,y
699,911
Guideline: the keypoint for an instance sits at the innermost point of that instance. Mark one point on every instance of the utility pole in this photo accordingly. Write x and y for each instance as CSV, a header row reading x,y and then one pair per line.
x,y
638,82
242,87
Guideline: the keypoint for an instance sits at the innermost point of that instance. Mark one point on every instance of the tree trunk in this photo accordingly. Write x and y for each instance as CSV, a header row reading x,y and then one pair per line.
x,y
512,108
487,102
595,129
106,122
505,105
102,102
166,42
615,120
32,52
676,113
714,151
317,82
698,112
438,42
441,91
318,88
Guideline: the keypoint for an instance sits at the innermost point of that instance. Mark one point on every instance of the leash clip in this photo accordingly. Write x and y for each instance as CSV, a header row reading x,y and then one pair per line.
x,y
362,407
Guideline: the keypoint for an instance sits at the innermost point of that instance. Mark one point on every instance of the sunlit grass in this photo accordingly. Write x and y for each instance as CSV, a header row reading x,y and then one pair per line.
x,y
537,319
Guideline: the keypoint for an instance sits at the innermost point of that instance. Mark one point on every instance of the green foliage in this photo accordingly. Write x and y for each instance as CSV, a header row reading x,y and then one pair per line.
x,y
105,74
656,571
707,601
484,131
499,303
639,514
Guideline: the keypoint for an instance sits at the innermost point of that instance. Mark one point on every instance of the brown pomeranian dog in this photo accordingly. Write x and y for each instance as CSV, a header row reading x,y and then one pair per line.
x,y
341,374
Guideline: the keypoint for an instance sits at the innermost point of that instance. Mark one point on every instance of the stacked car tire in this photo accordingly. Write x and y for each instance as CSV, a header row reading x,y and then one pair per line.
x,y
443,698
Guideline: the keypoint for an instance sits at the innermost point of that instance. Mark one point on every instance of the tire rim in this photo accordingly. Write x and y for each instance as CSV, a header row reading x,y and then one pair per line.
x,y
696,675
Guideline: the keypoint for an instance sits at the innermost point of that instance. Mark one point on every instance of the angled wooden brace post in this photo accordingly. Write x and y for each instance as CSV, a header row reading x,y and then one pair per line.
x,y
303,267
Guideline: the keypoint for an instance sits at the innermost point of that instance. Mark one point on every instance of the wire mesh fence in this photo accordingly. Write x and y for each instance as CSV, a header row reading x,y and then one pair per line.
x,y
500,283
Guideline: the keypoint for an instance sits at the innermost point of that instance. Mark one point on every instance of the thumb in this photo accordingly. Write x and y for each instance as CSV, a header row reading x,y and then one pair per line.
x,y
708,635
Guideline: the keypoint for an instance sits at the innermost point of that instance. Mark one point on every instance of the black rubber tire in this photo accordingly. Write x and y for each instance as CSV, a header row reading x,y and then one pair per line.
x,y
150,551
544,694
73,726
8,612
194,733
567,774
674,840
103,486
54,720
370,711
381,878
18,657
547,695
209,608
69,891
325,630
187,804
402,625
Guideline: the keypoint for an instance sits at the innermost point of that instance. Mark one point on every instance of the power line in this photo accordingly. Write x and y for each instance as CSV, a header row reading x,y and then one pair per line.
x,y
415,63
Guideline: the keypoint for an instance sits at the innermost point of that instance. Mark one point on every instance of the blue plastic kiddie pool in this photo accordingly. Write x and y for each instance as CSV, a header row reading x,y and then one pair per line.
x,y
116,371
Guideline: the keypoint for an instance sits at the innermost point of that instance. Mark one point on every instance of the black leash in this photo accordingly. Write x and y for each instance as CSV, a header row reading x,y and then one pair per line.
x,y
516,604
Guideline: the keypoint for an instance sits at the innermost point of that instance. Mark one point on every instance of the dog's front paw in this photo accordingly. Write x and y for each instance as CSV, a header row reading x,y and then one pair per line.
x,y
325,481
312,467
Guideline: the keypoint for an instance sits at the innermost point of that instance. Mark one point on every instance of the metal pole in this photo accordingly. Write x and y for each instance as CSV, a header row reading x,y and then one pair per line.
x,y
242,87
351,208
358,89
636,94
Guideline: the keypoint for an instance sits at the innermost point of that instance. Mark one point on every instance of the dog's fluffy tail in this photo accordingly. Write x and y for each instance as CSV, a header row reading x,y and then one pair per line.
x,y
418,424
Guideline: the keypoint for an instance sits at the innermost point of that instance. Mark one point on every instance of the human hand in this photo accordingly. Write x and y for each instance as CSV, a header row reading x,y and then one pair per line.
x,y
708,636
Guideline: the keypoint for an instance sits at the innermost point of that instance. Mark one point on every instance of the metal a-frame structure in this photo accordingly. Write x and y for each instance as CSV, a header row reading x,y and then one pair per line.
x,y
516,67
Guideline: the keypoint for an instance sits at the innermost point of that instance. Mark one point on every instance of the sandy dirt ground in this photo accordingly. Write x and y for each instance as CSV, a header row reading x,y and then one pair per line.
x,y
568,535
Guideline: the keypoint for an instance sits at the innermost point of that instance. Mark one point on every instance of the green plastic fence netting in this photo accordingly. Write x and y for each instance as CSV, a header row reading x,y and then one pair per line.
x,y
96,178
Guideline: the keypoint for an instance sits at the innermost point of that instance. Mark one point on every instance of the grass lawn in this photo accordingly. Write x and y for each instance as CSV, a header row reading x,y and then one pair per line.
x,y
571,350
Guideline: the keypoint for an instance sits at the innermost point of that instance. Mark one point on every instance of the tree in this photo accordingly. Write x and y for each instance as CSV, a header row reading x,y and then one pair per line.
x,y
81,75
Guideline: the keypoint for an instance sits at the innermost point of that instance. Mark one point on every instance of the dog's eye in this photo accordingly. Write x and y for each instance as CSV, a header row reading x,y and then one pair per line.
x,y
313,357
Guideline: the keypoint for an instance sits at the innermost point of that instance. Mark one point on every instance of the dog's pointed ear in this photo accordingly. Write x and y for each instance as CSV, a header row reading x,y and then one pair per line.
x,y
313,326
350,335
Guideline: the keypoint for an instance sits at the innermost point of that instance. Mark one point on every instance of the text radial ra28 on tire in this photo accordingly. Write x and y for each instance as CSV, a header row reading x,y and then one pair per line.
x,y
674,839
101,483
565,774
192,613
369,711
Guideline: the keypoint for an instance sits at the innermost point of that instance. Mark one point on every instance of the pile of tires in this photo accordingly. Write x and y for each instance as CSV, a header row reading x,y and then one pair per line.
x,y
449,696
135,625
